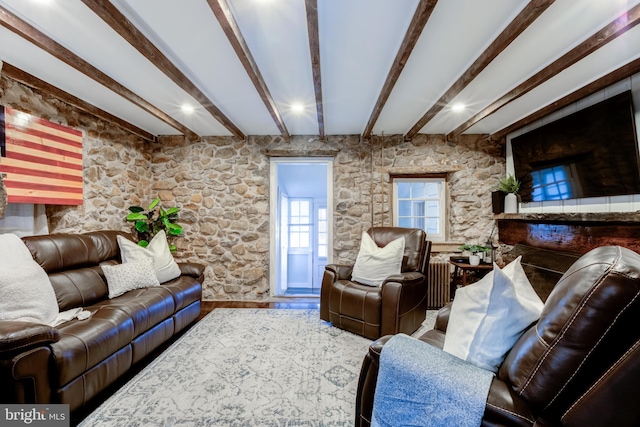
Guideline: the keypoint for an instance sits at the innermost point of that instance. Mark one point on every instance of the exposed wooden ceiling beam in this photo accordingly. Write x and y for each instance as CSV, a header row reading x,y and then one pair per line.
x,y
607,34
418,22
34,82
521,22
120,24
222,12
41,40
603,82
311,7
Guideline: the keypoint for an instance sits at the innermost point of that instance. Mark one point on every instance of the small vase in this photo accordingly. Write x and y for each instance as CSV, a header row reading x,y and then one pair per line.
x,y
474,260
511,203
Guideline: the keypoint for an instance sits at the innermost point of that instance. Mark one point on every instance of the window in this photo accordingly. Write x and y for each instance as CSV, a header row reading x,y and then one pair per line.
x,y
299,223
420,203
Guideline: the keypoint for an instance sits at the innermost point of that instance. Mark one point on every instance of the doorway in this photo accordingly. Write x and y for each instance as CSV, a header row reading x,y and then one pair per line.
x,y
301,224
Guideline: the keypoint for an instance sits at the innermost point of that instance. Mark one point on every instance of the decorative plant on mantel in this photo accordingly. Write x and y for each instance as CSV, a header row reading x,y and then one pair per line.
x,y
510,185
148,223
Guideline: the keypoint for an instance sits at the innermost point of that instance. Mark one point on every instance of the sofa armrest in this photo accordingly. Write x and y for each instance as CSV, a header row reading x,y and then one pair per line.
x,y
17,336
409,278
442,318
341,272
24,361
401,294
192,269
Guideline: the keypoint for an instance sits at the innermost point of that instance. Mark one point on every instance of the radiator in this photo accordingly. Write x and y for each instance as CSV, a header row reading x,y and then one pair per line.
x,y
439,279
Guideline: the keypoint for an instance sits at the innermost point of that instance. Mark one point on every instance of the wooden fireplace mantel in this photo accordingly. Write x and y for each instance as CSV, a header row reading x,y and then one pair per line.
x,y
570,232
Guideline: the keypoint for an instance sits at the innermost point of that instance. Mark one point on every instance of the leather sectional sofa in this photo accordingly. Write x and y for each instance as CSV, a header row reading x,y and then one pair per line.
x,y
73,362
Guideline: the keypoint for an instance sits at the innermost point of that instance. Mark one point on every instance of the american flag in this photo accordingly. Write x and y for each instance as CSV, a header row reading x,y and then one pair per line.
x,y
42,160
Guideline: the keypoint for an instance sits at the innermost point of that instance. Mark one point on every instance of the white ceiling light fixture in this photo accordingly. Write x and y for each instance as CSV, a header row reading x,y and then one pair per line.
x,y
186,108
297,108
458,107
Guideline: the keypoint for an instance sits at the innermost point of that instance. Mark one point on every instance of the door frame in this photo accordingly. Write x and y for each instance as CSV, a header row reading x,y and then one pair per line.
x,y
274,227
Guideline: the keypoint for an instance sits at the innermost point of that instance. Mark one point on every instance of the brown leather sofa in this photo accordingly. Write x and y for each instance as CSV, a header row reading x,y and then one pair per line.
x,y
399,305
579,365
73,362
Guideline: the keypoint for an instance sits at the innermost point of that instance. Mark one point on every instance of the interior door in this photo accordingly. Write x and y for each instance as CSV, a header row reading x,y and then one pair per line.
x,y
300,253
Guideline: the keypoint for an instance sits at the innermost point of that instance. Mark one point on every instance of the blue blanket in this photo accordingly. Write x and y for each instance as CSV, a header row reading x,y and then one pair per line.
x,y
420,385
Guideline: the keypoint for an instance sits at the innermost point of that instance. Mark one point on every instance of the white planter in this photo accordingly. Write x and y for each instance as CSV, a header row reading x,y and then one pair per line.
x,y
474,260
511,203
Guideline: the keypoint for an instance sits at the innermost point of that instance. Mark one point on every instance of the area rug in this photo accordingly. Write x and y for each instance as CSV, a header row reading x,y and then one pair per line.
x,y
245,367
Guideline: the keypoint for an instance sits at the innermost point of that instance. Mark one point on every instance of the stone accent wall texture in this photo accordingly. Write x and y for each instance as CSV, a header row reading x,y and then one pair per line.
x,y
222,187
115,162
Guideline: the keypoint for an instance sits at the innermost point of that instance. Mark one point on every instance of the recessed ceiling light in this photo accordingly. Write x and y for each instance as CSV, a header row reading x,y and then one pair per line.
x,y
458,107
186,108
297,107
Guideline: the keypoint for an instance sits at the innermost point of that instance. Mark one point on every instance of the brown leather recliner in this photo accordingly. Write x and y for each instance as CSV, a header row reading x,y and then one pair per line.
x,y
399,305
579,365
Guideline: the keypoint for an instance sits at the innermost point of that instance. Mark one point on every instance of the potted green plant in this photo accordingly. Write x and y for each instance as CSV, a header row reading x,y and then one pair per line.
x,y
477,252
149,222
510,185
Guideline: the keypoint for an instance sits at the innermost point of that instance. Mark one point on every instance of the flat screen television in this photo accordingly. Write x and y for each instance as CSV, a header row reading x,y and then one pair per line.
x,y
590,153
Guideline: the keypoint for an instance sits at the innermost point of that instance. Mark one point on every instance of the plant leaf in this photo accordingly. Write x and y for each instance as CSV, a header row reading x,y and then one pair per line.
x,y
172,211
154,203
136,216
172,248
143,243
135,209
142,226
175,230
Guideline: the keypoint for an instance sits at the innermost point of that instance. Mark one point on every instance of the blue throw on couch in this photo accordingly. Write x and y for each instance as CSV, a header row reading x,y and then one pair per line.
x,y
420,385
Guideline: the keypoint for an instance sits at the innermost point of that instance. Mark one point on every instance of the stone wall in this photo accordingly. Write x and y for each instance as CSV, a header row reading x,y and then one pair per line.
x,y
222,187
115,162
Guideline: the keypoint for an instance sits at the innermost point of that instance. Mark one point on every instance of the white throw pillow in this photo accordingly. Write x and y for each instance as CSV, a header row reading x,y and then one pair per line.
x,y
375,264
123,278
26,293
158,250
489,316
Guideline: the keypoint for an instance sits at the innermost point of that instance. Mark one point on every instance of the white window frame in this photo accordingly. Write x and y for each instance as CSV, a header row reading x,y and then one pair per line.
x,y
442,203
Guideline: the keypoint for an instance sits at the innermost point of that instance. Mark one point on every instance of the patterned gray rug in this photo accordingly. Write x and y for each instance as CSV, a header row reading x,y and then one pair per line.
x,y
245,367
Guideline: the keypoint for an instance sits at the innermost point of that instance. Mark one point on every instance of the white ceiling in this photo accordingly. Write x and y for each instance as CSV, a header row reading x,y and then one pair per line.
x,y
358,39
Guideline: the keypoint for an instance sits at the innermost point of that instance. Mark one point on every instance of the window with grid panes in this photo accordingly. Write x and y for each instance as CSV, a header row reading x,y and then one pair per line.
x,y
420,203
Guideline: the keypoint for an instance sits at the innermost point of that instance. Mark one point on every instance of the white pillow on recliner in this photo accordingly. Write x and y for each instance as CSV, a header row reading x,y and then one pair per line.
x,y
375,264
489,316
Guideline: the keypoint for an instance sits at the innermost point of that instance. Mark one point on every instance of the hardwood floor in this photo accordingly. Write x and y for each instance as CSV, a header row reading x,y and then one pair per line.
x,y
279,303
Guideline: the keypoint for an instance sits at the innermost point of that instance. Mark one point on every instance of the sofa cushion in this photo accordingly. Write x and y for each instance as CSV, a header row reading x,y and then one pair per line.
x,y
158,251
145,307
85,343
183,291
489,316
126,277
58,252
374,264
26,293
